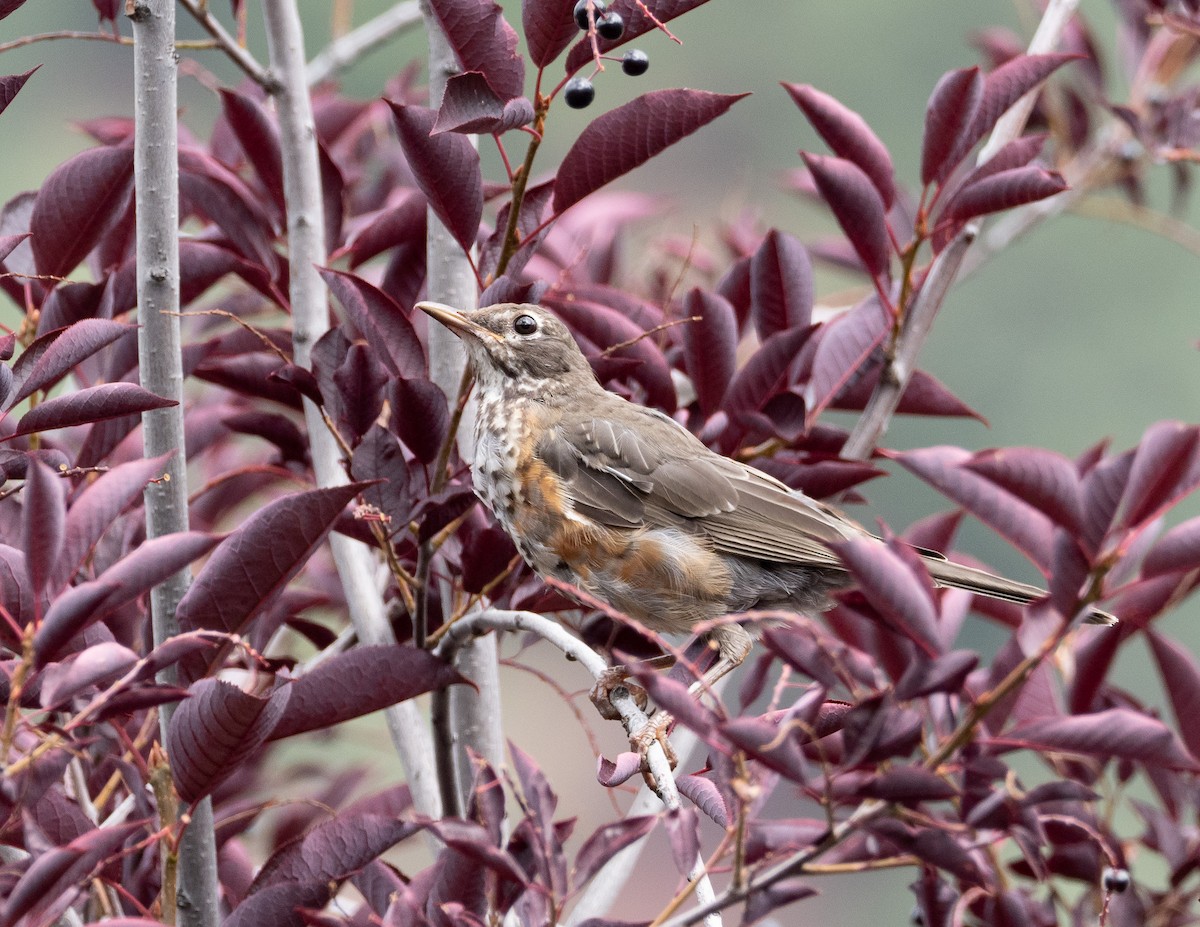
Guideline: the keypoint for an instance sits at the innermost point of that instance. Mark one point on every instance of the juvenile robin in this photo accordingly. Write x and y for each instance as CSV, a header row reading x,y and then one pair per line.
x,y
626,504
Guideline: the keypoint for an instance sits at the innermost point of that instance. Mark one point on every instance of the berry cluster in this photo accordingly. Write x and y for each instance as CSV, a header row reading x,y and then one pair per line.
x,y
609,25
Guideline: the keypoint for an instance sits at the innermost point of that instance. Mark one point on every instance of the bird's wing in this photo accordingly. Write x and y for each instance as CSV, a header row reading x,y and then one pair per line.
x,y
640,467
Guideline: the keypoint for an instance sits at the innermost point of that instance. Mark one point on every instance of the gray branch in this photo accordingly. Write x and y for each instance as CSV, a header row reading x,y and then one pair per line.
x,y
918,321
156,179
345,51
310,320
230,45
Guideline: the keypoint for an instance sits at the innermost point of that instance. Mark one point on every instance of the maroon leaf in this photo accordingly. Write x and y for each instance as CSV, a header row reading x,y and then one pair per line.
x,y
610,774
765,373
43,516
360,380
549,27
1023,525
251,566
946,673
1178,550
1181,679
1003,190
146,566
209,189
380,321
214,731
403,221
75,206
15,593
856,205
616,142
54,354
93,404
683,836
1008,83
483,42
845,345
1164,466
357,683
907,784
950,117
705,795
1118,733
635,13
10,242
420,417
709,346
1017,153
11,84
895,590
470,105
280,905
775,896
446,168
98,665
259,138
848,134
1046,480
606,842
781,285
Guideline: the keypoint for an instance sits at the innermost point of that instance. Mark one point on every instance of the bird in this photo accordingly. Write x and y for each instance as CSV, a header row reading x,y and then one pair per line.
x,y
621,501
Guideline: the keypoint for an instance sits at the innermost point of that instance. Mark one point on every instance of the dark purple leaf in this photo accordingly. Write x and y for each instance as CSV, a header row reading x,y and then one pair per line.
x,y
147,565
637,22
775,896
1177,551
380,321
616,142
470,105
549,27
278,429
764,741
98,665
93,404
15,593
356,683
43,516
251,566
935,847
209,189
895,590
487,554
683,837
8,243
946,673
446,168
1118,733
76,204
472,842
781,285
1017,153
214,731
606,842
1023,525
54,354
483,41
610,774
1181,678
360,380
280,905
400,222
1002,190
844,346
705,795
950,117
1008,83
1046,480
420,417
856,205
907,784
259,139
1103,489
11,84
848,134
379,457
765,373
709,347
1164,466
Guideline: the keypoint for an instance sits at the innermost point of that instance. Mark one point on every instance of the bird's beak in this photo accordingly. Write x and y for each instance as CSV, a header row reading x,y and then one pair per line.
x,y
457,321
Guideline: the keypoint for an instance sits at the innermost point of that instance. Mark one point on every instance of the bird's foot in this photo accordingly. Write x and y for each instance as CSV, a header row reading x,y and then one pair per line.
x,y
613,678
654,731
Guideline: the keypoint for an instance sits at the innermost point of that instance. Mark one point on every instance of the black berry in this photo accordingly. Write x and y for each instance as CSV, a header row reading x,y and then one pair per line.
x,y
579,92
581,16
610,26
1116,880
635,63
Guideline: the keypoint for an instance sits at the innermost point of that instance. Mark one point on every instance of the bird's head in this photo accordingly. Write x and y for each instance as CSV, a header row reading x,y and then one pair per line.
x,y
512,342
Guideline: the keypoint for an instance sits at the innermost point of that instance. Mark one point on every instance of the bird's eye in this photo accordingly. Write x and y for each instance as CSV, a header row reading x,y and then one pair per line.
x,y
525,325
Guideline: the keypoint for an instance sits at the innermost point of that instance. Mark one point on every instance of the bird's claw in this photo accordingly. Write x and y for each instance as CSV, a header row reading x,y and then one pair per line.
x,y
609,681
654,731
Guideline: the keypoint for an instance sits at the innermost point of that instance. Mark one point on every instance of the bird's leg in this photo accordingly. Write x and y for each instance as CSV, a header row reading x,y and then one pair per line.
x,y
733,644
614,676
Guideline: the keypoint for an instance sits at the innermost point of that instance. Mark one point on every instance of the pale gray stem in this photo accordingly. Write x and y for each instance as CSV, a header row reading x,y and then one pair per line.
x,y
310,320
474,714
230,45
613,876
156,181
345,51
918,320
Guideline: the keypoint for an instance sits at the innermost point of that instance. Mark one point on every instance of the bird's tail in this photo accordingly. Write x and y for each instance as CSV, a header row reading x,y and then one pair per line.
x,y
946,573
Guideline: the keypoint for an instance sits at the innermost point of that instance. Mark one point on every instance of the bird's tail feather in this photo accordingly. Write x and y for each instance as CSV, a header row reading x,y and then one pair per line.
x,y
946,573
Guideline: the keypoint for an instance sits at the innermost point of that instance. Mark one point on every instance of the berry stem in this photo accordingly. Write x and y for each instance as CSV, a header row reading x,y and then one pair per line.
x,y
512,240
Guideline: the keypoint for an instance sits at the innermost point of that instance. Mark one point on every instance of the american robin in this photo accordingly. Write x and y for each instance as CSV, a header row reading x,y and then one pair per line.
x,y
626,504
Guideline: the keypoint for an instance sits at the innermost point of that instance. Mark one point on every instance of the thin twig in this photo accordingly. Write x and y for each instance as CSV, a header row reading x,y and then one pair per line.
x,y
348,49
230,45
54,36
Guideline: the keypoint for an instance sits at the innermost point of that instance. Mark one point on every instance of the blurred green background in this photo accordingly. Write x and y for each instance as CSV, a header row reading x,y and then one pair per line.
x,y
1084,330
